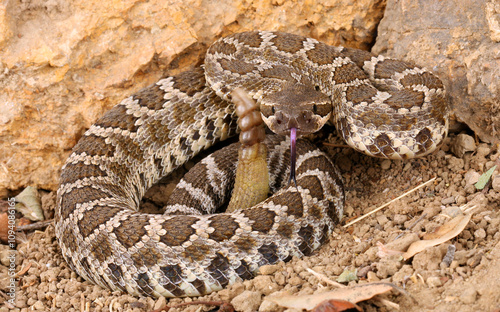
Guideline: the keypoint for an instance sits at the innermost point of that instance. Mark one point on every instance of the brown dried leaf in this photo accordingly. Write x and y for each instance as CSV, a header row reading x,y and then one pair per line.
x,y
4,227
442,234
352,294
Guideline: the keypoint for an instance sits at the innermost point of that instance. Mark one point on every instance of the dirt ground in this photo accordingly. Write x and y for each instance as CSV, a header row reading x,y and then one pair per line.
x,y
469,280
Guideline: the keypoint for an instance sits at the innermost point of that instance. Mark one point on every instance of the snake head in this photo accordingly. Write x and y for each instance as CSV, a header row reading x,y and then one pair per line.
x,y
295,110
296,106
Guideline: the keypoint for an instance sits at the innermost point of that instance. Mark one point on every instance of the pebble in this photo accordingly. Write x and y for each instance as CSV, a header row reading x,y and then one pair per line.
x,y
227,294
463,143
495,183
400,219
4,257
247,301
448,200
372,277
431,211
386,164
382,219
268,269
160,303
434,282
461,200
483,151
471,177
480,233
265,284
387,267
295,281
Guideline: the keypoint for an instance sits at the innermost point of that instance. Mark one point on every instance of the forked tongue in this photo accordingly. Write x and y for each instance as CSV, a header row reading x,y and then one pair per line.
x,y
293,156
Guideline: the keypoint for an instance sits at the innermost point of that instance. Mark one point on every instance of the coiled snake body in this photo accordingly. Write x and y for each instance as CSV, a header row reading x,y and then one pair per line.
x,y
382,107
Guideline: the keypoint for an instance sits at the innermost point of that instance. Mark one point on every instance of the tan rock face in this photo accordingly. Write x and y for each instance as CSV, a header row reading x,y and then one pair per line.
x,y
459,40
64,63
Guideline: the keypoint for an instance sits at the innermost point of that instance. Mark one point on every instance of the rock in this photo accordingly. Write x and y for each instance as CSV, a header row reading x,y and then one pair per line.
x,y
434,282
448,200
268,269
386,267
295,281
400,219
480,233
160,303
430,258
265,284
382,219
495,182
483,151
5,256
64,63
479,200
247,301
463,143
227,294
385,164
471,177
458,40
372,277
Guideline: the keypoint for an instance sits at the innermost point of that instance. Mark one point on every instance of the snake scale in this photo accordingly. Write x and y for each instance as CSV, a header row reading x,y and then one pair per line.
x,y
380,106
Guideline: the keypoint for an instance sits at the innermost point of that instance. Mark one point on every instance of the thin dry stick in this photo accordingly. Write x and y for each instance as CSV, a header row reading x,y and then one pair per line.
x,y
40,225
325,279
390,202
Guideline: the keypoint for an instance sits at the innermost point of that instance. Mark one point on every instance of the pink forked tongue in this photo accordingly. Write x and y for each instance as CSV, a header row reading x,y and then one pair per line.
x,y
293,157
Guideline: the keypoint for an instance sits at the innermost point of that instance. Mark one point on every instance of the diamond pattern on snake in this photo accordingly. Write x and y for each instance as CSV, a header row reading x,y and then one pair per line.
x,y
379,106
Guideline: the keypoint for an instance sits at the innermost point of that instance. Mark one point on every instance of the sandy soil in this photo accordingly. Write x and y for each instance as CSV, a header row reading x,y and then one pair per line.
x,y
470,282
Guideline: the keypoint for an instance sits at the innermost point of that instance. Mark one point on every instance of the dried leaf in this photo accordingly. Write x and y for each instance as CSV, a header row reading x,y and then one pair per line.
x,y
334,305
4,227
442,234
29,204
352,294
484,178
347,276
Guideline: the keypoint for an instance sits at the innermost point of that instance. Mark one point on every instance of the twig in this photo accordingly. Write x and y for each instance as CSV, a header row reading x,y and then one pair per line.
x,y
390,202
35,226
386,302
325,279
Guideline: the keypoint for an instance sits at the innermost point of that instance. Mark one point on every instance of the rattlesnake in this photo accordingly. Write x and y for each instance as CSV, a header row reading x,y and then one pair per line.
x,y
382,107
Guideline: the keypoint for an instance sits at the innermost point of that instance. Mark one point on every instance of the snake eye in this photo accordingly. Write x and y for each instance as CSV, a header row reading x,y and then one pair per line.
x,y
273,110
267,110
316,88
315,108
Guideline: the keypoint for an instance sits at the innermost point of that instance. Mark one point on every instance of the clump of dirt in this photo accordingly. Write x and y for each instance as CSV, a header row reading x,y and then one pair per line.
x,y
459,275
